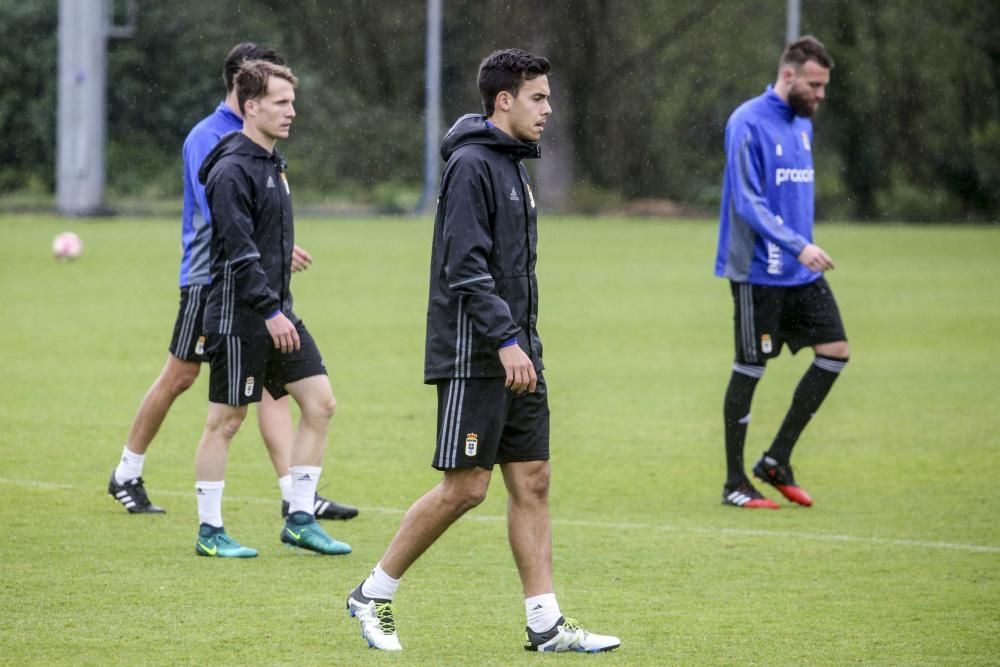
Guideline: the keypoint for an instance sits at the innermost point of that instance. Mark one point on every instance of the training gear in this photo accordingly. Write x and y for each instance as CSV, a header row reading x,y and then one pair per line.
x,y
481,423
242,367
378,625
768,199
132,494
301,530
746,496
767,318
483,289
780,476
815,384
567,635
214,542
324,508
736,417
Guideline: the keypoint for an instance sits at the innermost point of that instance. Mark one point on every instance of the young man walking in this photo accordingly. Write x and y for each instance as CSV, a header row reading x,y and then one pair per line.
x,y
485,358
254,339
775,270
187,346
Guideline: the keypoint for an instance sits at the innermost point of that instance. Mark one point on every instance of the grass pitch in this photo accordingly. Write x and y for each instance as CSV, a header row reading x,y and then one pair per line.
x,y
898,562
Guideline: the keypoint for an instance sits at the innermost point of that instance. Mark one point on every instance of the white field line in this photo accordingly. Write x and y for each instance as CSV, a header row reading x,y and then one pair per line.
x,y
601,525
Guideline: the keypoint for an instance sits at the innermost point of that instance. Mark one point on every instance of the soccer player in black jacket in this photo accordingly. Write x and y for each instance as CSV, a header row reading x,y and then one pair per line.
x,y
484,355
254,339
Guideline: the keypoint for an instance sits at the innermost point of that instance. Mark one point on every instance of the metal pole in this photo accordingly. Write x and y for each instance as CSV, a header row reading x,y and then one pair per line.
x,y
792,21
81,107
432,107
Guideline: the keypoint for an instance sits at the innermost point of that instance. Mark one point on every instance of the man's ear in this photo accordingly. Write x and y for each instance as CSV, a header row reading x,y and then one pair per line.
x,y
504,101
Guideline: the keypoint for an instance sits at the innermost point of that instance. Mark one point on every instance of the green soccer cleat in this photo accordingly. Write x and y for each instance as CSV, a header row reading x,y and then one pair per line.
x,y
301,530
214,542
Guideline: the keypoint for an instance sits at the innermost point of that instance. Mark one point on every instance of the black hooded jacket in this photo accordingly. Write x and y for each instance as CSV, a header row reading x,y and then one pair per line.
x,y
252,236
483,289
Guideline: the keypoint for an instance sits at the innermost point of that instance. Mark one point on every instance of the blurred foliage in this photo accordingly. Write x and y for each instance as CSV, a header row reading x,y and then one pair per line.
x,y
641,93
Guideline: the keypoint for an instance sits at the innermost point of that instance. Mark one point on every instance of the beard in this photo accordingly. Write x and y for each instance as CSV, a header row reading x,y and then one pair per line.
x,y
801,105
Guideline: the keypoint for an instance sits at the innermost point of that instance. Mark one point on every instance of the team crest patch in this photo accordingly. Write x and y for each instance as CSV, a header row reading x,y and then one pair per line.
x,y
284,181
531,195
778,151
805,141
765,344
471,444
199,347
248,388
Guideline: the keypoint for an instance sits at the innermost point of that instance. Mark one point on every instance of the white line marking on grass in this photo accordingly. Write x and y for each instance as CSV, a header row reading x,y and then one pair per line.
x,y
605,525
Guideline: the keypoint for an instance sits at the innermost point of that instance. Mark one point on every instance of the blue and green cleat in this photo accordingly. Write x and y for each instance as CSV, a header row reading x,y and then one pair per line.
x,y
303,531
214,542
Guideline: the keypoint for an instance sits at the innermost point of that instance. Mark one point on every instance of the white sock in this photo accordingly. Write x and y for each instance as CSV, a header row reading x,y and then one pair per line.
x,y
543,611
379,585
129,467
210,502
304,481
285,484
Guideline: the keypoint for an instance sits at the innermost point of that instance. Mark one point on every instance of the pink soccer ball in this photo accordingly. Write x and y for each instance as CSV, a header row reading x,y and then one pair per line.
x,y
67,246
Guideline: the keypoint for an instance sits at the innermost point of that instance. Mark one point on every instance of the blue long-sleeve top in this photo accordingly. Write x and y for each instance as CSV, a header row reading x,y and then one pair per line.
x,y
766,218
196,220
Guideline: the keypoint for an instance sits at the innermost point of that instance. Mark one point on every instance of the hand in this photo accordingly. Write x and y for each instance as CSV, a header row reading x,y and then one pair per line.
x,y
283,333
301,259
815,258
520,370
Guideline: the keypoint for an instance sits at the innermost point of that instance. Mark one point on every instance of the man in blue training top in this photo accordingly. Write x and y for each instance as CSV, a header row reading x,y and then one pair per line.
x,y
775,270
187,346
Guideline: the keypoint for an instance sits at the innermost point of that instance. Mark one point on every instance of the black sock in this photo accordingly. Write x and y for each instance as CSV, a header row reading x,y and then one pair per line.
x,y
736,416
813,388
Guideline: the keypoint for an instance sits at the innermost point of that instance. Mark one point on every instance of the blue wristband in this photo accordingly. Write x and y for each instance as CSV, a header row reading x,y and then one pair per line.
x,y
273,315
509,342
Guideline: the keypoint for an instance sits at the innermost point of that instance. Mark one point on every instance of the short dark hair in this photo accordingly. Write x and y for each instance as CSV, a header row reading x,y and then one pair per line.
x,y
253,76
242,52
508,69
804,49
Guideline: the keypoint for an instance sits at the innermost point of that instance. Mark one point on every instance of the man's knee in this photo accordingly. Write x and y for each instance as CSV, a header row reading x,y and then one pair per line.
x,y
226,420
838,350
465,489
533,482
319,408
178,376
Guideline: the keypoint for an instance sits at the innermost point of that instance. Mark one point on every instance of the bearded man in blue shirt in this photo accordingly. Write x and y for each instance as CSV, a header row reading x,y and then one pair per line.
x,y
766,250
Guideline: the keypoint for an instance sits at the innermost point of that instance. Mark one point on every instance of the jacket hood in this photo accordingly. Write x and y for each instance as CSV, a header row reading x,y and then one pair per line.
x,y
473,128
234,143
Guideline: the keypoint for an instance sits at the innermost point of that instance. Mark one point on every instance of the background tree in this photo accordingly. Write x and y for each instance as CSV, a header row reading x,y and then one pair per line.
x,y
641,91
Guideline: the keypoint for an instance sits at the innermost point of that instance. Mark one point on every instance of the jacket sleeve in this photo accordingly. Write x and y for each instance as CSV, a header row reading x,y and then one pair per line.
x,y
468,242
749,193
229,197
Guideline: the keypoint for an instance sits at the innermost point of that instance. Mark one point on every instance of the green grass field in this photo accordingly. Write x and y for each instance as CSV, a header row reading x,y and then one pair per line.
x,y
897,563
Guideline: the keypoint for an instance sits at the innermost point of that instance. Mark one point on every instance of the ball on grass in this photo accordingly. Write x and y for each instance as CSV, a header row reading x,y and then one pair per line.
x,y
67,246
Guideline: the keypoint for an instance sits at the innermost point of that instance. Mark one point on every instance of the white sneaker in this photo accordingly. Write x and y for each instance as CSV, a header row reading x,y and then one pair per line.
x,y
567,635
378,626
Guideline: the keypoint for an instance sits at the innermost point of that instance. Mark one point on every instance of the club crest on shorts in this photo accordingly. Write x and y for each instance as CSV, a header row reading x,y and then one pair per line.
x,y
199,347
248,388
765,345
471,444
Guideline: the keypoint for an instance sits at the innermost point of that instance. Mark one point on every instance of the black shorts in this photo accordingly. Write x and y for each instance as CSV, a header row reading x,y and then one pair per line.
x,y
481,423
242,366
768,317
188,341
